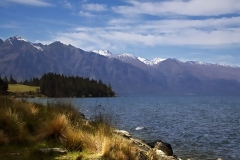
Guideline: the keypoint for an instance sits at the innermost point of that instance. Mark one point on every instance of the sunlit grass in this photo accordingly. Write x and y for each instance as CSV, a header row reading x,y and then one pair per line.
x,y
32,126
21,88
54,129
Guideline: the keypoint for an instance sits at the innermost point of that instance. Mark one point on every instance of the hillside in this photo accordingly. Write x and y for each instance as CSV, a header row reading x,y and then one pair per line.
x,y
126,73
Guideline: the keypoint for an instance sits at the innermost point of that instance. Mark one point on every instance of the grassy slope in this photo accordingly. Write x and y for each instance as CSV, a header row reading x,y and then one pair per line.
x,y
25,127
21,88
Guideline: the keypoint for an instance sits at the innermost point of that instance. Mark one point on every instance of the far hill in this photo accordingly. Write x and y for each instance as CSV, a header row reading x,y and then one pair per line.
x,y
126,73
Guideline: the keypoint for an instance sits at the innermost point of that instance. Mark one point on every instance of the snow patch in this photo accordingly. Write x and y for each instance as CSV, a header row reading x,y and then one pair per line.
x,y
157,60
39,48
198,62
105,53
10,41
225,65
144,60
211,64
126,55
151,62
20,38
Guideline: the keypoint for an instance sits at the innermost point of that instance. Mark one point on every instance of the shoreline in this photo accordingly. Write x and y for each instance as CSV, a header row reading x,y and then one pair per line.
x,y
61,128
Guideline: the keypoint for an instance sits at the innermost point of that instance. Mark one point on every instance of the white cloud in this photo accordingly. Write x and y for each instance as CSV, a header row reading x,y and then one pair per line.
x,y
82,40
181,7
9,26
124,31
67,4
94,7
108,38
39,3
86,14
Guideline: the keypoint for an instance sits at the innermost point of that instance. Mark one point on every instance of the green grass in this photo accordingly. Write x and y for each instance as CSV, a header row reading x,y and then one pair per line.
x,y
21,88
25,152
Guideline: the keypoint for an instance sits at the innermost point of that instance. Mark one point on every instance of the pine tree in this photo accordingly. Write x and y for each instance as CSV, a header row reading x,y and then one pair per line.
x,y
56,85
3,87
11,80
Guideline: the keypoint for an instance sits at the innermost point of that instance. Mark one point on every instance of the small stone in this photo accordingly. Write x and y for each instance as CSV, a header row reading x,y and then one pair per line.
x,y
160,153
123,133
55,150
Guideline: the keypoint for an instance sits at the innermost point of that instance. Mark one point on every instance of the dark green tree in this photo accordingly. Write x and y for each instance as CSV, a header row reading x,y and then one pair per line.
x,y
5,79
11,80
56,85
3,86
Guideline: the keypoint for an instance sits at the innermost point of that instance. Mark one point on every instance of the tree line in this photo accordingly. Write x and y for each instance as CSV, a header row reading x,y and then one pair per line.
x,y
56,85
59,85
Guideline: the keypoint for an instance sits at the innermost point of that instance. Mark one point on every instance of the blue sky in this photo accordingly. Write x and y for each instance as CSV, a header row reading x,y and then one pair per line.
x,y
199,30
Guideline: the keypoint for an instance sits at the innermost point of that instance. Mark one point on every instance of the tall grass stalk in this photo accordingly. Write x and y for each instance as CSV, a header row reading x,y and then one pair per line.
x,y
61,123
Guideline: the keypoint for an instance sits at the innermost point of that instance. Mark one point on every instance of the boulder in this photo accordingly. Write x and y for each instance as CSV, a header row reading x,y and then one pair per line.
x,y
163,146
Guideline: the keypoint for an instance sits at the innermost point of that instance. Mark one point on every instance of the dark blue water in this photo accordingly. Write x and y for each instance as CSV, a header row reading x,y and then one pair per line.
x,y
197,127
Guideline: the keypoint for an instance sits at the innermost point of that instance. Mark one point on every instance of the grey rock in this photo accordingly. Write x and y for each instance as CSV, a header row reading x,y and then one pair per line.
x,y
123,133
165,147
54,150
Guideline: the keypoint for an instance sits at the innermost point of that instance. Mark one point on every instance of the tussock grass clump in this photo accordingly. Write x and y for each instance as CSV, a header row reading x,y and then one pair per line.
x,y
74,140
13,125
120,148
61,125
54,129
3,138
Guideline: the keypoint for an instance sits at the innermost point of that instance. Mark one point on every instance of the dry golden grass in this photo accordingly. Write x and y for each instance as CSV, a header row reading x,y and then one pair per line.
x,y
111,147
74,140
54,129
119,147
3,138
22,122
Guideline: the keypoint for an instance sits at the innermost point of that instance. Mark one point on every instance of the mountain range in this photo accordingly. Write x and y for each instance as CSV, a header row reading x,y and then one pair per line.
x,y
126,73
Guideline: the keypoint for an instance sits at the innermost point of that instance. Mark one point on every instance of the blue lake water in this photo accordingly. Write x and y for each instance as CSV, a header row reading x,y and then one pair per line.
x,y
197,127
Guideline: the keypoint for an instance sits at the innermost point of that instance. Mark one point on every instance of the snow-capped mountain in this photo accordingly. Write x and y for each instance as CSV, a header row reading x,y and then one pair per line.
x,y
20,38
129,57
17,40
109,54
125,72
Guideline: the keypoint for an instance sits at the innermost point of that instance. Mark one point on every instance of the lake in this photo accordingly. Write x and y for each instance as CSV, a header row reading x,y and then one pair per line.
x,y
197,127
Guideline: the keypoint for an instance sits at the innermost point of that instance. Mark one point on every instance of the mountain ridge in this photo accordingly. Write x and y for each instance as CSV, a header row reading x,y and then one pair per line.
x,y
156,60
126,73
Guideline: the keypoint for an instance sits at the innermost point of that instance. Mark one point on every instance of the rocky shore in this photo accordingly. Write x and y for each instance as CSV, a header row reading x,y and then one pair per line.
x,y
156,150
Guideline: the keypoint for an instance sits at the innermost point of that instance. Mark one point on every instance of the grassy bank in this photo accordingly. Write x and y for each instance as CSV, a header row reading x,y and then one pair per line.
x,y
22,88
27,127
